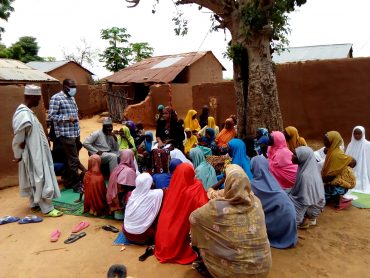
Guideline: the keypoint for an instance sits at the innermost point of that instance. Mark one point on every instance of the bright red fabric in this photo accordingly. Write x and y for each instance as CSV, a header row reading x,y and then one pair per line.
x,y
95,201
185,194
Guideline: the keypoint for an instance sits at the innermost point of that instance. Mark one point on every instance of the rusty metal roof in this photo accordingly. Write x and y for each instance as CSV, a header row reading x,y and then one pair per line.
x,y
13,71
159,69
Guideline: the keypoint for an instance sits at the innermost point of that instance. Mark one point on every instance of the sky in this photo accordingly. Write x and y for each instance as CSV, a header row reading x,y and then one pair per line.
x,y
59,26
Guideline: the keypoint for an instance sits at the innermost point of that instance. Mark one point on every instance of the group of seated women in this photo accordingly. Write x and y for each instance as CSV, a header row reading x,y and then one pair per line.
x,y
224,221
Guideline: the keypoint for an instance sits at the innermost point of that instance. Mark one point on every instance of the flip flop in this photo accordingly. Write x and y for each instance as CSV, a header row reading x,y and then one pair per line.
x,y
74,237
80,226
55,235
54,213
30,219
8,219
110,228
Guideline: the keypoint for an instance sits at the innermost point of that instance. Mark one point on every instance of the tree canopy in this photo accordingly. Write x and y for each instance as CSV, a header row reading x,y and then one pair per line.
x,y
5,10
120,52
25,49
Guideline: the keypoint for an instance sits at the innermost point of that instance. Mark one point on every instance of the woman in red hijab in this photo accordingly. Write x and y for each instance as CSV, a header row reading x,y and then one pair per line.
x,y
95,200
185,194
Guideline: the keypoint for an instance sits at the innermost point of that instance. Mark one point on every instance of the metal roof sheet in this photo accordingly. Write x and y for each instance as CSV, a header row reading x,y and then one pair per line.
x,y
316,52
159,69
13,70
50,66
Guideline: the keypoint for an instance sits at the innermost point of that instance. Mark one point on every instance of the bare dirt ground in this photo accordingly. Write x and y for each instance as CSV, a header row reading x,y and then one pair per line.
x,y
339,246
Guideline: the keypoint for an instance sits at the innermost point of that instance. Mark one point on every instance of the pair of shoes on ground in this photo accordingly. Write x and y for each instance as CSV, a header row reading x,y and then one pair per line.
x,y
25,220
74,236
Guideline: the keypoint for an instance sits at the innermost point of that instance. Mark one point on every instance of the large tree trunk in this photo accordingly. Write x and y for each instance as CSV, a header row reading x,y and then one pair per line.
x,y
257,106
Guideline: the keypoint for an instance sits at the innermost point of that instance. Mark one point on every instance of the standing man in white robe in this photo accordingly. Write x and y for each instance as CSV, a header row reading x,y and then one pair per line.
x,y
31,151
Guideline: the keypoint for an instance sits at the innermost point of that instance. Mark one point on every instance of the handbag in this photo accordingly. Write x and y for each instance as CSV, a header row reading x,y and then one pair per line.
x,y
346,179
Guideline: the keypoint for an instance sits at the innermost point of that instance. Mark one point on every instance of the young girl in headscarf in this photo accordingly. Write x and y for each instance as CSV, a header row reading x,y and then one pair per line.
x,y
308,194
191,121
211,124
359,149
280,161
95,201
293,139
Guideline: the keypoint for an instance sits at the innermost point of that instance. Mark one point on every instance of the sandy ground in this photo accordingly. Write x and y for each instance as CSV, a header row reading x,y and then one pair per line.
x,y
339,246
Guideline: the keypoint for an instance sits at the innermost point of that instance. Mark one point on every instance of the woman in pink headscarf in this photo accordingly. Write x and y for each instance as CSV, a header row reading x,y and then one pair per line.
x,y
280,161
121,181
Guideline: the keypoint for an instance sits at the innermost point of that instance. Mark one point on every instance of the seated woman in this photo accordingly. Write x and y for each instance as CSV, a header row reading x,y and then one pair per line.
x,y
307,195
359,149
280,161
226,134
337,172
230,231
121,182
203,170
144,151
237,152
279,210
168,127
208,140
95,201
163,180
261,141
191,121
125,140
191,141
211,124
185,194
293,139
142,210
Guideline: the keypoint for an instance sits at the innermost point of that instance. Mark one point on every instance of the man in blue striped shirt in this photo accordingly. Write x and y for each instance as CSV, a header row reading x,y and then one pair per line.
x,y
63,112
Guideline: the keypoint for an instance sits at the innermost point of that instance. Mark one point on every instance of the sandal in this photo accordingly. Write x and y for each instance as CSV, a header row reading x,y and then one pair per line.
x,y
74,237
30,219
55,235
8,219
54,213
35,209
148,252
80,226
110,228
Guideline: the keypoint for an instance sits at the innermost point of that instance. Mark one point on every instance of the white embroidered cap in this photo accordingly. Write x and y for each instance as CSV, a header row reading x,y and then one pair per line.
x,y
107,121
32,90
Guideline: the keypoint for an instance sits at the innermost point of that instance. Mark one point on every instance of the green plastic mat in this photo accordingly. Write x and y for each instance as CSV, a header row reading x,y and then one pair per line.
x,y
66,203
363,200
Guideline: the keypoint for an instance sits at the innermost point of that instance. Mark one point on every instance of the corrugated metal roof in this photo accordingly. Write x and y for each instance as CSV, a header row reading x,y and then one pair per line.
x,y
159,69
315,52
50,66
13,70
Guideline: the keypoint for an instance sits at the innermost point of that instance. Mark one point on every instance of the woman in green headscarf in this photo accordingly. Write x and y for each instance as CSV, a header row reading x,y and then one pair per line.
x,y
125,140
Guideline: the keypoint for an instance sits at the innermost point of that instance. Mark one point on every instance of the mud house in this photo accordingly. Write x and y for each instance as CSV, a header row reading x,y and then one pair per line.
x,y
14,75
158,80
90,98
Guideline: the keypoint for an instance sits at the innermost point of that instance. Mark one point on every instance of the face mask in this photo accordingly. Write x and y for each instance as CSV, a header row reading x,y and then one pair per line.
x,y
72,92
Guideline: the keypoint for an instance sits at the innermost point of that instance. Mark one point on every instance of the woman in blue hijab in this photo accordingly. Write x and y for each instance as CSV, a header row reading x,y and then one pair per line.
x,y
279,210
208,140
203,170
163,180
238,153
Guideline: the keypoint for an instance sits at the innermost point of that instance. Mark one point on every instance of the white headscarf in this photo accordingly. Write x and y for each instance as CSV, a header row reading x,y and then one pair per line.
x,y
360,151
176,153
143,205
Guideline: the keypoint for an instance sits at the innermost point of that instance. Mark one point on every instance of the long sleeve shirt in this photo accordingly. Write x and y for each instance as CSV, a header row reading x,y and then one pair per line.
x,y
61,109
98,141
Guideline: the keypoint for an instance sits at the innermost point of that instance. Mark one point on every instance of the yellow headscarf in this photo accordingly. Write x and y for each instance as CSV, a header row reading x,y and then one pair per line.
x,y
211,122
190,123
336,160
189,142
295,141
